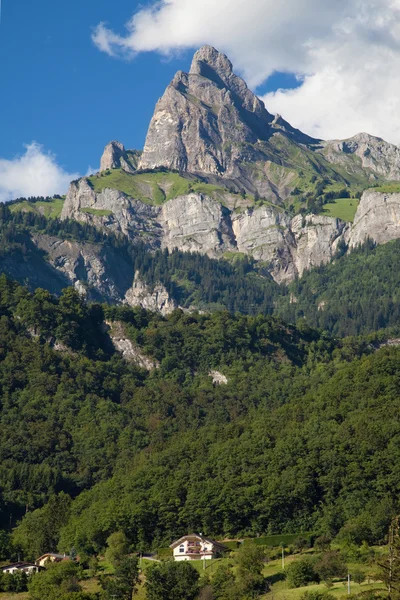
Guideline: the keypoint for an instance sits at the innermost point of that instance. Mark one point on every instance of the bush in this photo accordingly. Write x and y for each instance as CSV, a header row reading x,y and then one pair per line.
x,y
358,576
301,573
330,565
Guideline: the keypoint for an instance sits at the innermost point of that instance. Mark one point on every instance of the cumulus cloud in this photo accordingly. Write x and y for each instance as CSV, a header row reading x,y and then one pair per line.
x,y
34,173
345,54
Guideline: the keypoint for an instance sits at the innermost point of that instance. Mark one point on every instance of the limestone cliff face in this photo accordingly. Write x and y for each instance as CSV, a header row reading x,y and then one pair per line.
x,y
265,233
99,273
197,223
123,214
316,240
377,217
116,157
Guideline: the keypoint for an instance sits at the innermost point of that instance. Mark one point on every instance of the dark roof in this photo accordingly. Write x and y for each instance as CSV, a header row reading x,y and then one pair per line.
x,y
19,565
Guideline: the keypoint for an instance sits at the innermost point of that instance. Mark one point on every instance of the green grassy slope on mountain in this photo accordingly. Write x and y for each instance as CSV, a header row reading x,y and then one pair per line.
x,y
313,176
392,187
342,208
49,208
153,187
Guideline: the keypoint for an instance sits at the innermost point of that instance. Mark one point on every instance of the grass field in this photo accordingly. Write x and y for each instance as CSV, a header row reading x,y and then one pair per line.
x,y
151,188
51,210
343,208
388,188
281,591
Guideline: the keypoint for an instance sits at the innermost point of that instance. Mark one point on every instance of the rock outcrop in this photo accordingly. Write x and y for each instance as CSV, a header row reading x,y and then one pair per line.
x,y
196,223
129,350
218,378
375,154
116,157
97,272
112,209
377,218
155,300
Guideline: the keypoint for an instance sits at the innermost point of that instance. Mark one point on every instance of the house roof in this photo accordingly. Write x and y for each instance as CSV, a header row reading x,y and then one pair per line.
x,y
203,539
60,556
18,565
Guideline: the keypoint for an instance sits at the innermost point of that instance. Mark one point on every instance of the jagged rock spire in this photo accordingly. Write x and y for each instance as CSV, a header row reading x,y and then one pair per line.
x,y
204,118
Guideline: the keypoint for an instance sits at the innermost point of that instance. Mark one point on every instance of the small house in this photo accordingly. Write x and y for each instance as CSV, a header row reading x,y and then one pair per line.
x,y
25,567
196,547
50,557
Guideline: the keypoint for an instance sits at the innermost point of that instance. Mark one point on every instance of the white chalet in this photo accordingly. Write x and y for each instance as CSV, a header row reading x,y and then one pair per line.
x,y
25,567
196,547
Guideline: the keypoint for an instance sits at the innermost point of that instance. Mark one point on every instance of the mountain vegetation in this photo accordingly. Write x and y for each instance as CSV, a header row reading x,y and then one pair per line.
x,y
298,439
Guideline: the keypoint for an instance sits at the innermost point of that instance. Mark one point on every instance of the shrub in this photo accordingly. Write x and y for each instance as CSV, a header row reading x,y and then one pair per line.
x,y
301,573
330,565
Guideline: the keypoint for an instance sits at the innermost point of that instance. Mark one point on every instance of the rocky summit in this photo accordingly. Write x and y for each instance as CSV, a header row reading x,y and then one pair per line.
x,y
209,122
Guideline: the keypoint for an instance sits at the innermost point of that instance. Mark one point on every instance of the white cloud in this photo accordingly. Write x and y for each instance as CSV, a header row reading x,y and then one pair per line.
x,y
347,53
34,173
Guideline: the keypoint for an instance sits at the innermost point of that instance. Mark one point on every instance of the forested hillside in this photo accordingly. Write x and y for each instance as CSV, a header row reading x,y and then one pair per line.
x,y
298,439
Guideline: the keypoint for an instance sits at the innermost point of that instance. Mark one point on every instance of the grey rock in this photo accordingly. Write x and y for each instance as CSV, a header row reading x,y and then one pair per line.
x,y
196,223
265,234
316,240
116,157
218,378
375,154
377,218
136,220
155,300
98,273
130,351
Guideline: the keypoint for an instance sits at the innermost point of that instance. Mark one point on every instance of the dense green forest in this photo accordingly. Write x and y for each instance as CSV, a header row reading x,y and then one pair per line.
x,y
299,438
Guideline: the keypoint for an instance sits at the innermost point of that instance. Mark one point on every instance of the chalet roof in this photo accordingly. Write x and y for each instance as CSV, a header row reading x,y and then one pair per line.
x,y
18,565
199,537
53,554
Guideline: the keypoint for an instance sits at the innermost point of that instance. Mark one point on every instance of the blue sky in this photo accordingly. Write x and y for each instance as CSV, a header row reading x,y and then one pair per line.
x,y
60,91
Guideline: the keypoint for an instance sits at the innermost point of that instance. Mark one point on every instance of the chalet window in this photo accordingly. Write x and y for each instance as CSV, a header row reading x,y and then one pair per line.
x,y
182,548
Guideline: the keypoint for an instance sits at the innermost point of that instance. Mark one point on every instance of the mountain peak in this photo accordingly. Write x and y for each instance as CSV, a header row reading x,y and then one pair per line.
x,y
208,56
207,120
